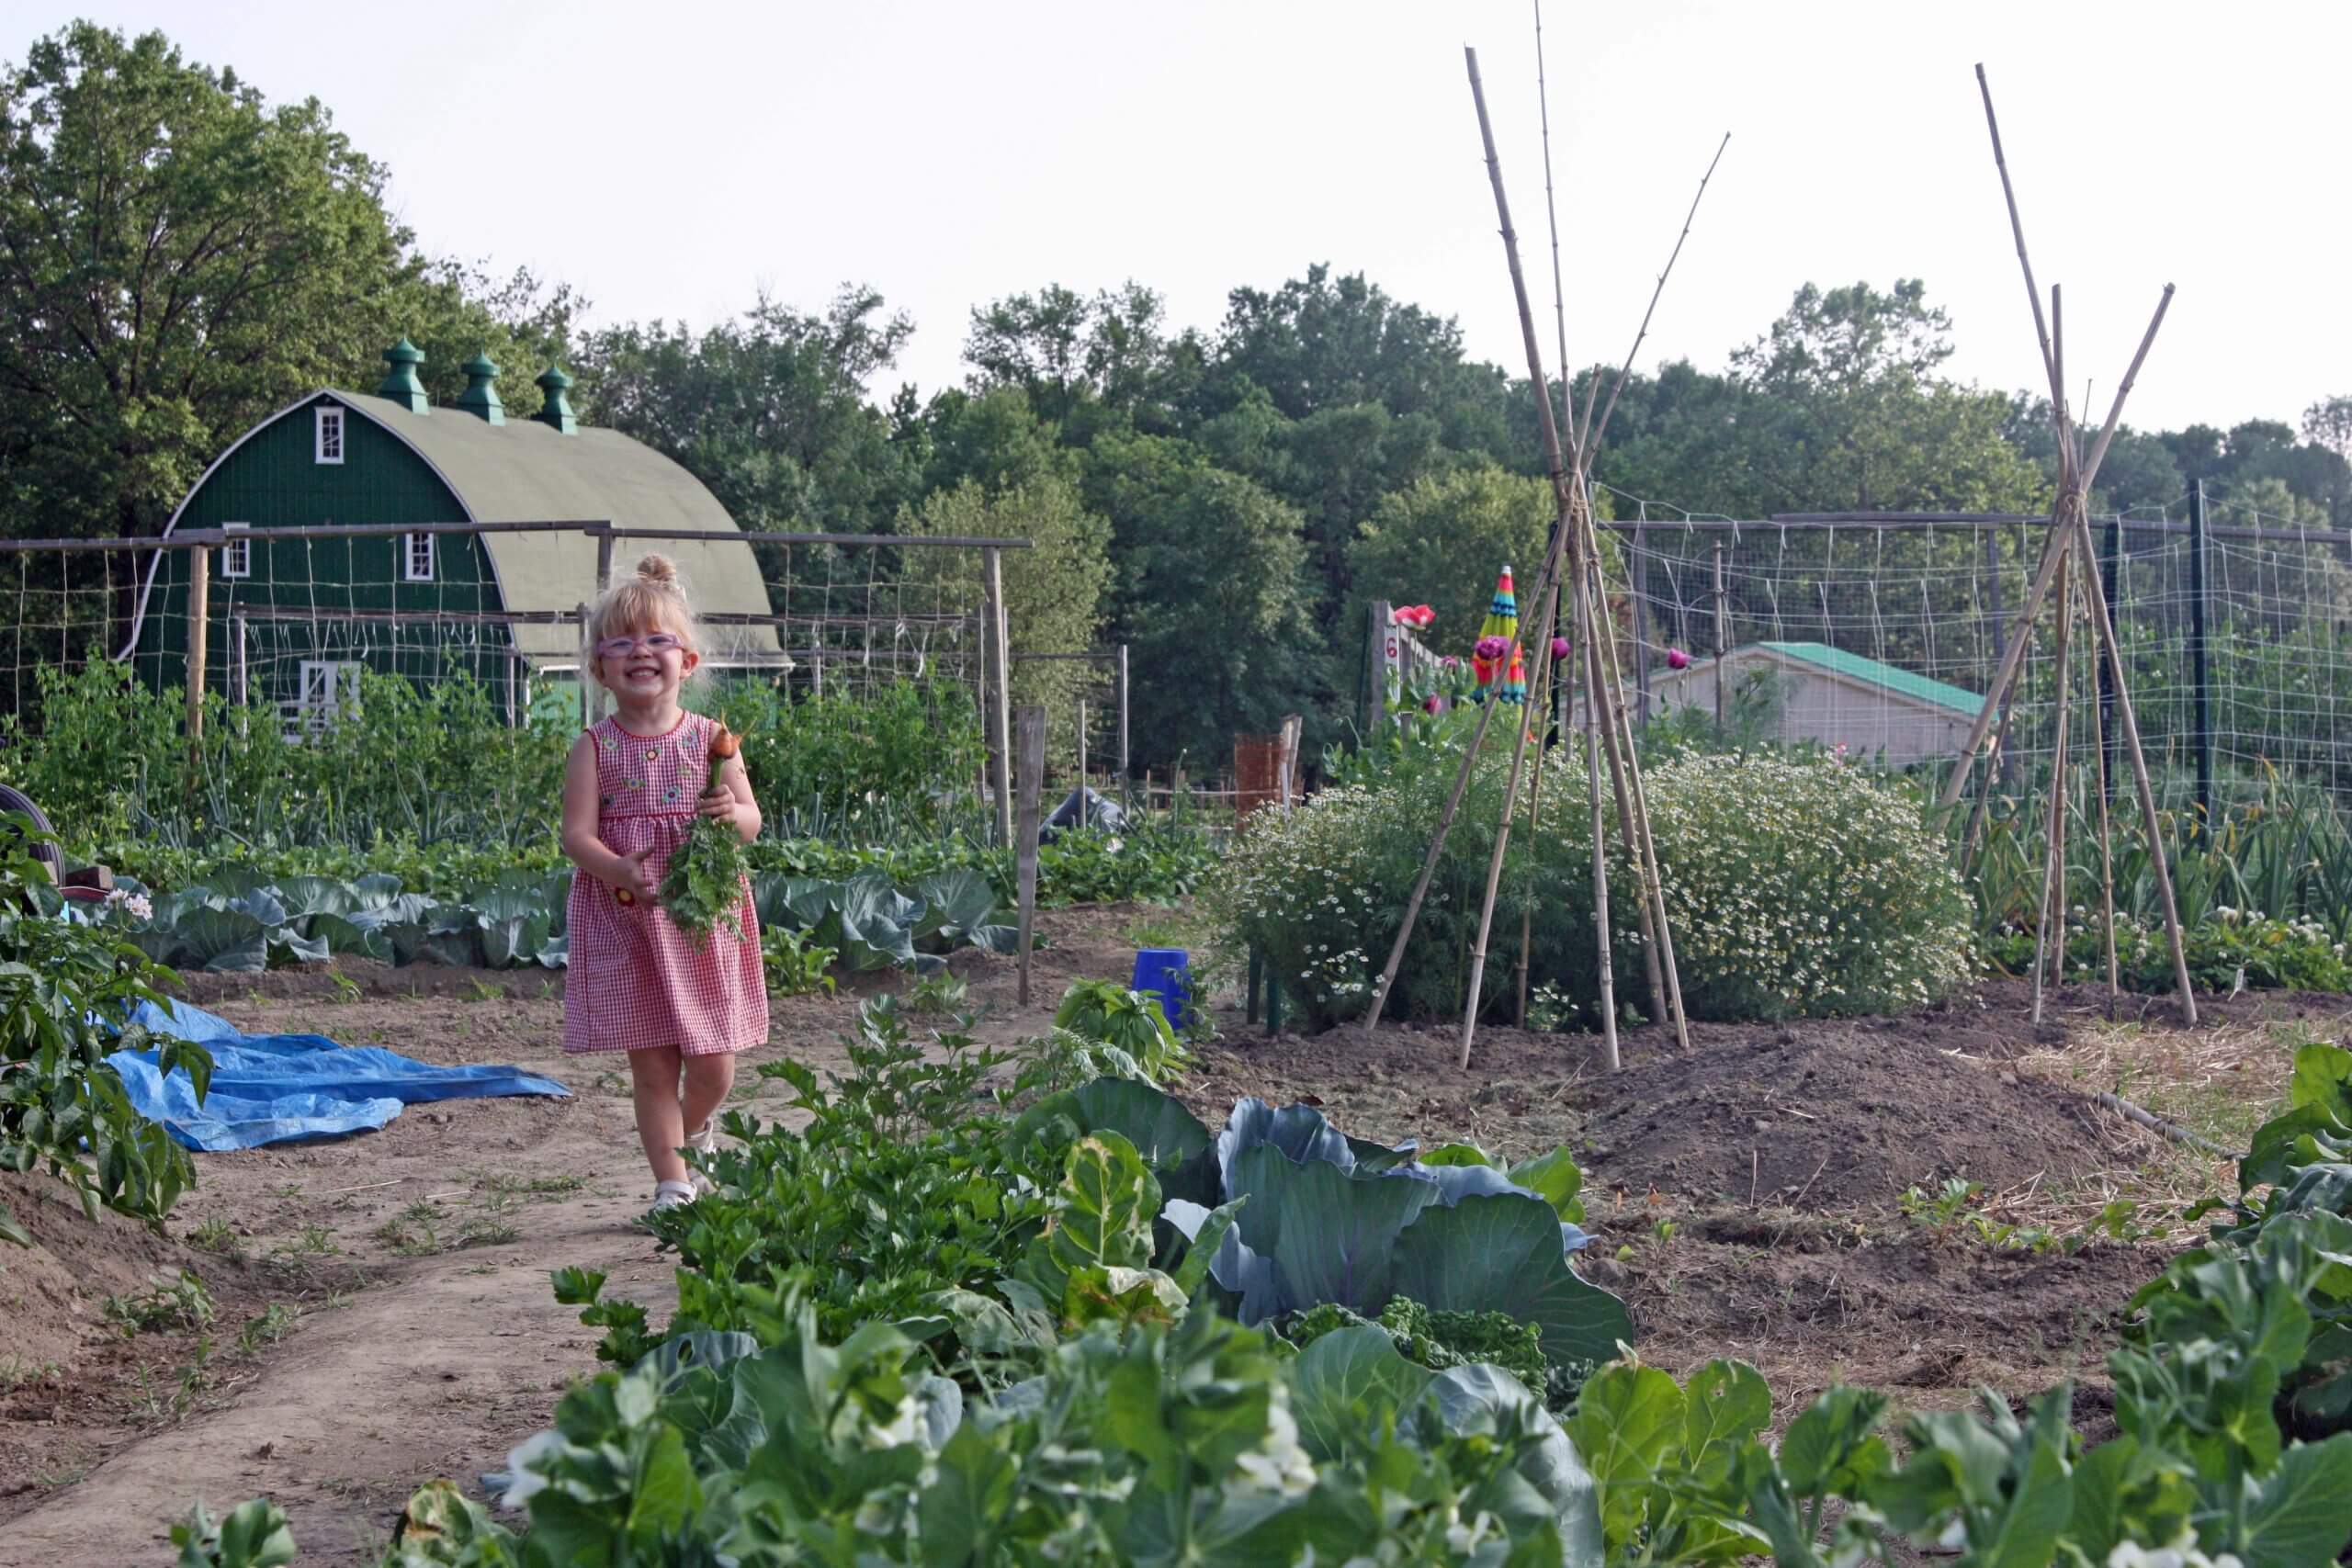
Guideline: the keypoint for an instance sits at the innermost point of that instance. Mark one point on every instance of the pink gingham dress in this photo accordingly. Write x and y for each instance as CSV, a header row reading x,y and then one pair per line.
x,y
635,982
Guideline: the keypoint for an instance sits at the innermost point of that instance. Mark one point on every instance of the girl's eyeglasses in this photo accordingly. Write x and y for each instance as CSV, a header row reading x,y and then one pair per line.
x,y
615,647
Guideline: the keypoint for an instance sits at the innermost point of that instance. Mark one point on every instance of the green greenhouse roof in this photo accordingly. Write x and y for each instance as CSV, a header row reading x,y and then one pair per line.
x,y
1873,673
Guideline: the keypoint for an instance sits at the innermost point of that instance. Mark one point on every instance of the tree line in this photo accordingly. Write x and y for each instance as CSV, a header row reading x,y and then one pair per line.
x,y
179,257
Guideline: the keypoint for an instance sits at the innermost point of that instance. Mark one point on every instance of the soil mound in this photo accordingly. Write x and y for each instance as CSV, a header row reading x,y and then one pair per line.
x,y
1821,1114
1827,1116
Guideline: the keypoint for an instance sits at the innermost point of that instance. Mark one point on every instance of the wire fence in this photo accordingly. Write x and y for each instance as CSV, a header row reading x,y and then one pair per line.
x,y
1881,633
282,621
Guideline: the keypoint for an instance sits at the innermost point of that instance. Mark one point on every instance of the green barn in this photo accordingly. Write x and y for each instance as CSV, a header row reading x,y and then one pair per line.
x,y
290,621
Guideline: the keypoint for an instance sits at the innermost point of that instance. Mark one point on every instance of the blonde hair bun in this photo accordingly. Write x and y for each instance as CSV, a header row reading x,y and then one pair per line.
x,y
658,568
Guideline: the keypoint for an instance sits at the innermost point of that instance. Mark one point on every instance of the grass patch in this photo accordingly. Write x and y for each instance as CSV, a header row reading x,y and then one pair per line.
x,y
499,1184
216,1236
425,1229
275,1323
2220,1081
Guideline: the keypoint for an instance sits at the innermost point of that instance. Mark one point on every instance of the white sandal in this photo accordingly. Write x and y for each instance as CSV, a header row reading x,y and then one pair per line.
x,y
673,1195
703,1140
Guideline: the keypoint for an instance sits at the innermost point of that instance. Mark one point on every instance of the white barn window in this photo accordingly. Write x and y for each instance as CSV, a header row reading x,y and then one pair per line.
x,y
417,558
328,445
236,555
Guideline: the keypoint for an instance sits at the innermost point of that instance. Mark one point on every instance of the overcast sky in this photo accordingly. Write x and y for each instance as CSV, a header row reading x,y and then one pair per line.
x,y
672,160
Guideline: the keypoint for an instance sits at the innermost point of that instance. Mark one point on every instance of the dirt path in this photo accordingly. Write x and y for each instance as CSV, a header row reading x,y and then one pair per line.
x,y
428,1342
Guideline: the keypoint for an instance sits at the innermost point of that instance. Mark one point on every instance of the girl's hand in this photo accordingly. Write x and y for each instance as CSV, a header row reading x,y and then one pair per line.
x,y
630,876
718,801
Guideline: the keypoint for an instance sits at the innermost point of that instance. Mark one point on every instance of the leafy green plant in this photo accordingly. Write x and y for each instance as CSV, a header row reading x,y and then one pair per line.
x,y
1131,1023
1325,1219
406,762
704,884
1795,887
796,964
251,1535
936,996
902,1186
66,992
174,1300
1441,1339
844,760
1149,1444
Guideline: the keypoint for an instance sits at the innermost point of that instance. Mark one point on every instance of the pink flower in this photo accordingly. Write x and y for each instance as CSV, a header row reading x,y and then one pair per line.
x,y
1432,702
1412,615
1677,659
1452,663
1559,647
1492,647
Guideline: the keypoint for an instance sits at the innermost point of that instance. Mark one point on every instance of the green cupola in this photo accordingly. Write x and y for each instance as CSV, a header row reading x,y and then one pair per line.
x,y
400,384
480,396
555,412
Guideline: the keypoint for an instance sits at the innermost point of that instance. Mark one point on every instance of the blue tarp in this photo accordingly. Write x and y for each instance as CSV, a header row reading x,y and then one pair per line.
x,y
276,1089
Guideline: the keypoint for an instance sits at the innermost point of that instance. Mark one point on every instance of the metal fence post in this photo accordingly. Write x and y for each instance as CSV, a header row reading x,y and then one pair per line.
x,y
1723,635
1001,693
1033,769
2201,674
587,673
1641,587
2110,569
1123,714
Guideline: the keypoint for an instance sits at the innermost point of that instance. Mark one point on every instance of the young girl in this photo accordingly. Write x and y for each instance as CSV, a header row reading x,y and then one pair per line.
x,y
631,791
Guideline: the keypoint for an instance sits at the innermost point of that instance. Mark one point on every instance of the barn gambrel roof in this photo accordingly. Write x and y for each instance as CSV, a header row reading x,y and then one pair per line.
x,y
523,471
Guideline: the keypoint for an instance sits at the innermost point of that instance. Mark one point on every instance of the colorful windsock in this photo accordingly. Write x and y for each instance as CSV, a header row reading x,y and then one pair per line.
x,y
1498,660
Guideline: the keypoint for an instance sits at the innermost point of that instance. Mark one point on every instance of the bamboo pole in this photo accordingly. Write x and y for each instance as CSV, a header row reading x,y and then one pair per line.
x,y
1645,849
1429,869
2086,475
1565,539
1584,544
1602,940
1605,677
2053,853
1626,369
2151,822
2106,837
1538,707
2072,515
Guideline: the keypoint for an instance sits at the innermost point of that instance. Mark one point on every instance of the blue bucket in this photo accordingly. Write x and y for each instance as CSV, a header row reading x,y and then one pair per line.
x,y
1165,972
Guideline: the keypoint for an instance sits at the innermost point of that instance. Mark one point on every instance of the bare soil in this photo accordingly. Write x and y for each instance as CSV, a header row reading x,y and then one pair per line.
x,y
1767,1193
1748,1197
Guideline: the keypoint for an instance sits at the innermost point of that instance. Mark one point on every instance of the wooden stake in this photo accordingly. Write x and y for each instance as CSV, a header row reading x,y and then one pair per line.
x,y
199,620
